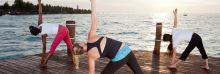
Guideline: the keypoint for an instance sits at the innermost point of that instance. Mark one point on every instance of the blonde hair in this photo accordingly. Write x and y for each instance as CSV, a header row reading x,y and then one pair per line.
x,y
78,49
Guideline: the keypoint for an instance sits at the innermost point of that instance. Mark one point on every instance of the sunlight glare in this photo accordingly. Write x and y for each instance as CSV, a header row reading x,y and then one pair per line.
x,y
160,17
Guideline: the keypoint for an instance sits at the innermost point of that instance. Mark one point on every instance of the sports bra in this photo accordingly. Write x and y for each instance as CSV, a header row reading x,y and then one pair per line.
x,y
110,50
95,44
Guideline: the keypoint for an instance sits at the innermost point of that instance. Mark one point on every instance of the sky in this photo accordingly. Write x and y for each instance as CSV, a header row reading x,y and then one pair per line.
x,y
141,6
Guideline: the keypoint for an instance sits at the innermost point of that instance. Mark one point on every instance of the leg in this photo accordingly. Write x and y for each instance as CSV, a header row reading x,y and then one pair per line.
x,y
203,53
133,64
192,44
202,50
72,56
69,44
112,67
55,43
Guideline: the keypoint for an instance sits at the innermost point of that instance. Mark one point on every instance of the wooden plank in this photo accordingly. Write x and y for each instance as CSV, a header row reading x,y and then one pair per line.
x,y
55,66
4,65
30,64
83,68
26,66
19,67
36,59
33,61
34,66
3,71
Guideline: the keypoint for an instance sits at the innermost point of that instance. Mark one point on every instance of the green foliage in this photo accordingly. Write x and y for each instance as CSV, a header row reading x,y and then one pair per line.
x,y
6,7
21,7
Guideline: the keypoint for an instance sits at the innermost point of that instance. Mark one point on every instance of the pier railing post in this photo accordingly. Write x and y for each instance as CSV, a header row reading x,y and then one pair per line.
x,y
158,38
71,25
72,29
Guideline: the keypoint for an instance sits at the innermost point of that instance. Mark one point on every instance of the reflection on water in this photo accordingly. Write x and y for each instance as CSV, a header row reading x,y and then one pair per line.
x,y
138,30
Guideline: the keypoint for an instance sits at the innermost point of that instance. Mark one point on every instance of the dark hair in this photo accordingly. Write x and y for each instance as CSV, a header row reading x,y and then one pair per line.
x,y
168,37
78,49
34,30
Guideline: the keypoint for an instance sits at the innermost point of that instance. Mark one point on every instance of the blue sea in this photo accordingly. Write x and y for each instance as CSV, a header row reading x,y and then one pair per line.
x,y
138,30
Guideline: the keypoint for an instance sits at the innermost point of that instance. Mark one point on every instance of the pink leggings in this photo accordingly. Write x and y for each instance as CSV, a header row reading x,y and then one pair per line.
x,y
62,34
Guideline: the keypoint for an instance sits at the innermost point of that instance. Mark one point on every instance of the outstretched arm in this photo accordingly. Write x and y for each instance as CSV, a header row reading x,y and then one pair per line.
x,y
175,18
93,33
40,19
91,62
43,55
173,56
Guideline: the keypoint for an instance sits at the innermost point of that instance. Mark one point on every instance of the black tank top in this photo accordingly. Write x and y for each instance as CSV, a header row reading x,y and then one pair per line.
x,y
110,50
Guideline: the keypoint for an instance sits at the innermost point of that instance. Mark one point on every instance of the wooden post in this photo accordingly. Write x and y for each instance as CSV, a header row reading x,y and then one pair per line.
x,y
72,31
158,38
71,27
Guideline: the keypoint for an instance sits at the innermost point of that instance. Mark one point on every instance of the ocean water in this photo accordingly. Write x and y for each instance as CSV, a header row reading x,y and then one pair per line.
x,y
138,30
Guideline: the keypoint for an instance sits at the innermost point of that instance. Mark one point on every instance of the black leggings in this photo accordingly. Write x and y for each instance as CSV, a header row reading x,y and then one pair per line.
x,y
130,60
196,41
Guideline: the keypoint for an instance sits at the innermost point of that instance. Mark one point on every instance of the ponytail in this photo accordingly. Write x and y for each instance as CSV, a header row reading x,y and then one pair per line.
x,y
170,49
168,37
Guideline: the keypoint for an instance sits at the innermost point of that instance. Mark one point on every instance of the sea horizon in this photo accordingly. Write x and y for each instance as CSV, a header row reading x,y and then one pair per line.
x,y
138,30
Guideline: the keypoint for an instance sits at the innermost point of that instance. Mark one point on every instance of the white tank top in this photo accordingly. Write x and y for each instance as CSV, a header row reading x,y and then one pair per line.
x,y
180,35
49,28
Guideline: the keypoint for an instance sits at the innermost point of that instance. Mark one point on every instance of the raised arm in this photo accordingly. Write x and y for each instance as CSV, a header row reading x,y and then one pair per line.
x,y
40,19
175,18
93,28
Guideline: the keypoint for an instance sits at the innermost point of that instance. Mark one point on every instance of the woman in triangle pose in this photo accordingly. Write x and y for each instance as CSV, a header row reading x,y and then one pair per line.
x,y
97,46
181,35
49,29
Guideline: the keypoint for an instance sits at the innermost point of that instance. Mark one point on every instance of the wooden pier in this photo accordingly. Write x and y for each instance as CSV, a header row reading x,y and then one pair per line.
x,y
150,64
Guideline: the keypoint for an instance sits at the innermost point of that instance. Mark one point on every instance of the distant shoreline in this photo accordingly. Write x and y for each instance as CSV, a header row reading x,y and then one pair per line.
x,y
28,13
43,14
35,13
26,8
78,11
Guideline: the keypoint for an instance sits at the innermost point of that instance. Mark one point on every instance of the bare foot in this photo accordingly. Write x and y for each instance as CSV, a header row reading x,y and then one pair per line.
x,y
42,66
173,62
170,63
205,67
172,66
